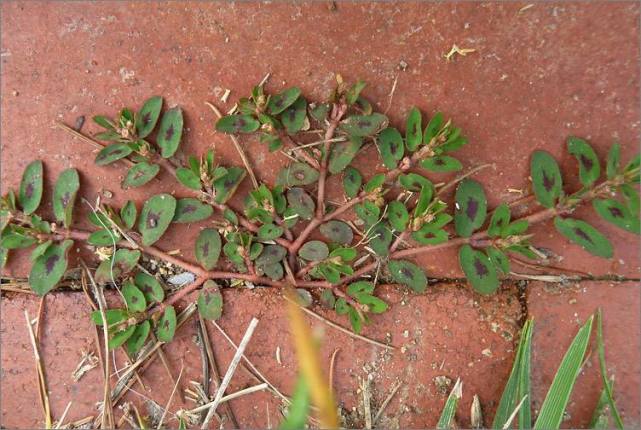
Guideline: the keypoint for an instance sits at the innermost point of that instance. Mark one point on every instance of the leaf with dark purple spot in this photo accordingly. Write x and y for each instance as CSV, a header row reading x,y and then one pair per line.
x,y
364,125
390,146
111,153
342,153
49,268
16,237
409,274
546,178
441,164
471,207
121,263
301,203
208,247
128,214
104,237
31,187
270,232
191,210
281,101
166,327
170,132
293,118
210,301
368,212
138,337
337,231
134,298
296,174
155,216
40,250
499,259
352,181
113,316
589,168
272,271
618,214
478,269
314,250
428,235
140,174
150,287
397,215
413,130
226,186
147,116
271,254
380,238
584,235
237,124
499,221
64,195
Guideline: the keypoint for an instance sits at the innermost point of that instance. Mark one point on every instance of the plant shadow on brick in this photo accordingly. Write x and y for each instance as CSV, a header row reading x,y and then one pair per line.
x,y
267,241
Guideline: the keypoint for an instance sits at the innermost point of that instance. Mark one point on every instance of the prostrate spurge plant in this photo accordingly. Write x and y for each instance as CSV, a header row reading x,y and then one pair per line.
x,y
267,242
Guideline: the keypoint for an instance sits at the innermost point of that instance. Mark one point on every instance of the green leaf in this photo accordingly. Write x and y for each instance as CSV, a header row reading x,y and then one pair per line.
x,y
150,287
633,166
272,271
352,181
354,91
342,153
364,125
147,117
270,232
413,130
432,127
208,245
191,210
631,197
390,146
607,385
170,132
452,144
368,212
104,237
314,250
49,268
31,187
113,317
319,112
414,182
111,153
397,215
121,337
471,207
616,213
601,415
499,259
237,124
40,250
155,216
355,319
327,298
104,122
293,118
499,221
134,298
584,235
374,183
409,274
346,254
121,263
301,203
337,231
210,301
518,384
517,227
188,178
546,178
138,338
298,410
296,174
478,269
64,195
557,397
423,201
226,186
128,214
283,100
271,254
445,422
428,235
4,255
16,237
167,325
613,161
441,163
589,167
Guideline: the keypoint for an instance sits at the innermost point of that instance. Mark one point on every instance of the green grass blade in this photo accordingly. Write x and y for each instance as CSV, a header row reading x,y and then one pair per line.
x,y
516,383
601,415
449,410
558,395
604,372
525,413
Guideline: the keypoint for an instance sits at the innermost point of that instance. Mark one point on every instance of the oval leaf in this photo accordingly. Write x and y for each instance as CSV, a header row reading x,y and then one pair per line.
x,y
441,163
64,195
584,235
150,287
296,174
293,118
281,101
432,127
546,178
155,216
301,203
271,254
397,215
103,238
390,146
167,325
147,117
111,153
589,168
210,301
191,210
352,181
342,153
121,263
31,187
471,207
237,124
49,268
337,231
270,232
478,269
380,238
617,214
314,250
409,274
134,298
499,221
128,214
208,247
140,174
413,130
364,125
614,161
170,132
138,338
226,186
